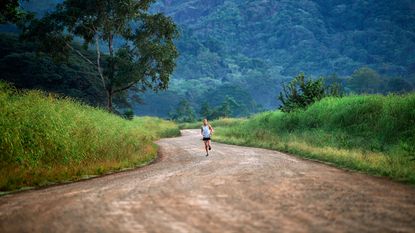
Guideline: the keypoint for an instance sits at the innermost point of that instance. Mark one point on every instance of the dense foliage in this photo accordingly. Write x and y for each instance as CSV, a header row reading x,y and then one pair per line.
x,y
11,12
302,92
138,45
371,133
184,112
44,139
21,65
315,36
257,45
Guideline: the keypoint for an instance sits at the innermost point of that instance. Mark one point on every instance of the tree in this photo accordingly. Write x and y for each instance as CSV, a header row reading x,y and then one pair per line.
x,y
227,107
398,85
301,92
206,111
332,79
10,11
365,80
334,85
144,57
184,112
22,66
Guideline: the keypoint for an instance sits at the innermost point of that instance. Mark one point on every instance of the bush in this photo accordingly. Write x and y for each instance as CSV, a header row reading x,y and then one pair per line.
x,y
301,92
128,114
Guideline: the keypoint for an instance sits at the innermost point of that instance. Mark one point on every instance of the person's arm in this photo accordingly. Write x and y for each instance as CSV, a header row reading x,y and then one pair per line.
x,y
211,129
201,130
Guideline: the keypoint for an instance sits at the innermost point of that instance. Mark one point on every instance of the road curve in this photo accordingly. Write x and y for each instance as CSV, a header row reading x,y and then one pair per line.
x,y
236,189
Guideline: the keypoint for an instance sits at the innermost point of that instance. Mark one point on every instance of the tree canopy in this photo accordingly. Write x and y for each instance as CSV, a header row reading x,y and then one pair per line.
x,y
11,12
135,49
365,80
301,92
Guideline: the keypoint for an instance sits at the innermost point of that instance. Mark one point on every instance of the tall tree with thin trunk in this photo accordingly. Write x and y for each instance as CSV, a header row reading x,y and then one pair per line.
x,y
133,47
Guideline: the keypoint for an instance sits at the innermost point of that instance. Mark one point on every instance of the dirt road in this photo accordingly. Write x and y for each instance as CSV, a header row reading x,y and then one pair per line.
x,y
236,189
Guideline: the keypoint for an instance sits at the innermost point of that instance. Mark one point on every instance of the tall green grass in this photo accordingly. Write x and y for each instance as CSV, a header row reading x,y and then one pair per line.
x,y
372,133
44,139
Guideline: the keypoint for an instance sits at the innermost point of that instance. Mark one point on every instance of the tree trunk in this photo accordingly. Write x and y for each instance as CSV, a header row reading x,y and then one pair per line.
x,y
109,100
111,72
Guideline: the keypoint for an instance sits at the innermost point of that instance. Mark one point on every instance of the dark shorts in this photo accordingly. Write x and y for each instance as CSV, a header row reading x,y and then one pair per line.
x,y
206,139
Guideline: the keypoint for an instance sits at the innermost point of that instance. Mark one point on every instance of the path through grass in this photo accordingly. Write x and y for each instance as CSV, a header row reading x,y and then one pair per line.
x,y
44,139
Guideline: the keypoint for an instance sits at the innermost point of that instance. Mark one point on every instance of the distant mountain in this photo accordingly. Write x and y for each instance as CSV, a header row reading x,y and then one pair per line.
x,y
256,44
246,48
315,36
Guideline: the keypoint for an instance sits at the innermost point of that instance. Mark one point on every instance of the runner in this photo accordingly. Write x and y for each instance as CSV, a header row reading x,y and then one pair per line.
x,y
206,132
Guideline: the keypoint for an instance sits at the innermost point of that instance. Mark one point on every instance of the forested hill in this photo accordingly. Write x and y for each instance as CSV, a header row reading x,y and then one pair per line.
x,y
316,36
245,49
255,44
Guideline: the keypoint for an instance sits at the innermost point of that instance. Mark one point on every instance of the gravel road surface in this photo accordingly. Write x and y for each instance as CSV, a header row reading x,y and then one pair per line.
x,y
235,189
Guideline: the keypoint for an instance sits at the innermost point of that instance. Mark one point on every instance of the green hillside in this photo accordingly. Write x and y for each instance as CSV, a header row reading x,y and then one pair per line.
x,y
317,37
256,45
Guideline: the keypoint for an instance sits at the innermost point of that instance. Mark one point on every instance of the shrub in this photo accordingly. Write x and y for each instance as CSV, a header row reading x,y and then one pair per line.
x,y
128,114
301,92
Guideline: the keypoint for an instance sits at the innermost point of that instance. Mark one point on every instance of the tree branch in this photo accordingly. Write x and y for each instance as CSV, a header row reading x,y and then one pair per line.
x,y
80,54
125,88
130,84
99,62
98,65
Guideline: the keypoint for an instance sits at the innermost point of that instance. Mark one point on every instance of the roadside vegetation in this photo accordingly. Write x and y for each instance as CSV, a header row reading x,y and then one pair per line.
x,y
216,123
46,139
370,133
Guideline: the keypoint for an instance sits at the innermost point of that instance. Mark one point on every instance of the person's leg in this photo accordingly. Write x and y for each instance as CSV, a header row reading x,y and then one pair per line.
x,y
210,147
206,147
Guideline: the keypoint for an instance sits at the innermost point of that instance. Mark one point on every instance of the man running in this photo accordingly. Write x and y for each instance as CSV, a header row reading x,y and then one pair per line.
x,y
206,132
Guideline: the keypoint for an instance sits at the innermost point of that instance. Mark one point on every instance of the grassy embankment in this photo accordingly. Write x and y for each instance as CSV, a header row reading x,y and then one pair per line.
x,y
45,140
374,134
